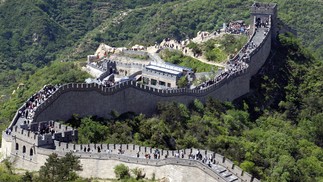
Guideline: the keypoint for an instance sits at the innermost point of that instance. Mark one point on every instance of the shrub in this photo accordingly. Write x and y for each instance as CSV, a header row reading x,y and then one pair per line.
x,y
121,171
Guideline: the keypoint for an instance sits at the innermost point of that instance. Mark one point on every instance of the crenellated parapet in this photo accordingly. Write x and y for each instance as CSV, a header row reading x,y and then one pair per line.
x,y
29,146
214,164
263,8
110,91
35,136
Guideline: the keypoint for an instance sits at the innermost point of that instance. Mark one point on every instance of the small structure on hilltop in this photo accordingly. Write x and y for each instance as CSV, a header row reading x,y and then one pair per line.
x,y
165,75
137,65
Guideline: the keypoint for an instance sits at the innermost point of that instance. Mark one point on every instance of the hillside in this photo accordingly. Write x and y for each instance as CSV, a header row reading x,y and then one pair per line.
x,y
275,132
34,33
183,19
40,31
37,31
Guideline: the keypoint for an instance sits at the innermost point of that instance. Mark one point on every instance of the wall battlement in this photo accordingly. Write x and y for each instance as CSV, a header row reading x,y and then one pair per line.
x,y
124,87
62,133
264,8
131,151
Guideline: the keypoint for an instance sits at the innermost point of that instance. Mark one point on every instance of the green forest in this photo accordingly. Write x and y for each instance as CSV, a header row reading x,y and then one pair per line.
x,y
275,132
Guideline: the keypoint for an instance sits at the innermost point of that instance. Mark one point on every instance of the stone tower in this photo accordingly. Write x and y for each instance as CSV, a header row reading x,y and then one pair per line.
x,y
261,11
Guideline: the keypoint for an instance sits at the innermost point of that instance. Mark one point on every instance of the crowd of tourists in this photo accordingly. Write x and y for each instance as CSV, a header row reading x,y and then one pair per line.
x,y
45,128
197,155
237,27
36,100
170,43
262,23
27,112
238,63
108,83
232,68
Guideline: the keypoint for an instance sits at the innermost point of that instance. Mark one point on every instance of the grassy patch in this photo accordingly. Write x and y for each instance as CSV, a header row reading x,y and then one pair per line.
x,y
218,50
176,57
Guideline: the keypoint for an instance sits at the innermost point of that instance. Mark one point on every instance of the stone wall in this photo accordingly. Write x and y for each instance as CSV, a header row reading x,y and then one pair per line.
x,y
98,160
259,55
92,99
6,146
102,164
130,151
103,167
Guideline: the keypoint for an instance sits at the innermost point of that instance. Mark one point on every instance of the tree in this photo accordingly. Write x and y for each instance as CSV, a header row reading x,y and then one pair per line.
x,y
195,48
247,166
27,177
211,55
8,165
60,169
121,171
197,106
6,172
182,82
318,131
310,169
91,131
69,164
50,171
138,172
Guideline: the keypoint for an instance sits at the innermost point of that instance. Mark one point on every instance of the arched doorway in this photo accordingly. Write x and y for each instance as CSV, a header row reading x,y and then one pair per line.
x,y
17,146
24,149
31,152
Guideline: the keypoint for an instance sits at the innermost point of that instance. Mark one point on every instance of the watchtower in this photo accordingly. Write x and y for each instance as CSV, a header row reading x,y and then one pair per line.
x,y
264,11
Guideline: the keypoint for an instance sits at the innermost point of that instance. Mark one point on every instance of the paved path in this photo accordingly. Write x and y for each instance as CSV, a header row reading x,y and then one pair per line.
x,y
155,57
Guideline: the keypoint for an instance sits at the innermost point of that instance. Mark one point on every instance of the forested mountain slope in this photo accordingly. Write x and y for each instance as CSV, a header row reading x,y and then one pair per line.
x,y
183,19
38,31
35,32
275,132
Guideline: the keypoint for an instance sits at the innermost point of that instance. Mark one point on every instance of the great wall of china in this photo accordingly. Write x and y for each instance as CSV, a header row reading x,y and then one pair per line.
x,y
30,149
